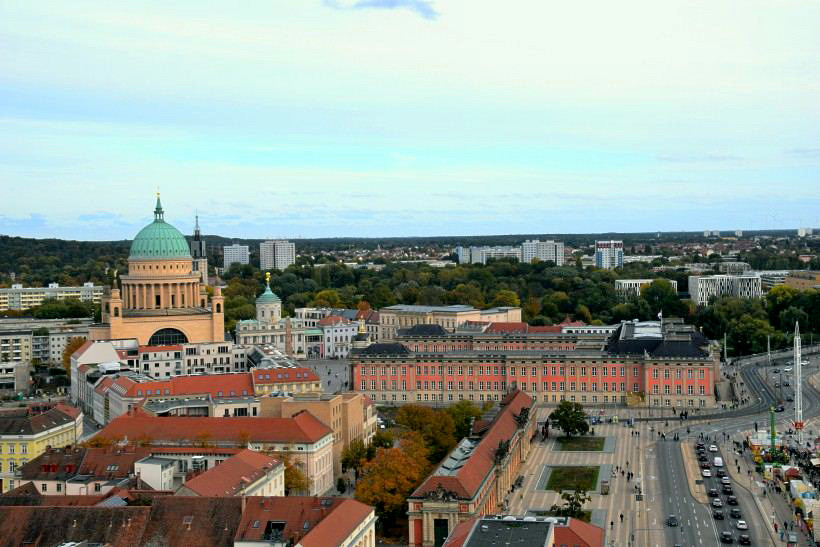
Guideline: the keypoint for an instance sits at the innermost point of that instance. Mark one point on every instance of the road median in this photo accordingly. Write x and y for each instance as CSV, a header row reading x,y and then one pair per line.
x,y
693,474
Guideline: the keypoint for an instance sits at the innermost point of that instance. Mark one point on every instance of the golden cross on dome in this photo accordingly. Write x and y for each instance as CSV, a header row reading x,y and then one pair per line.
x,y
267,278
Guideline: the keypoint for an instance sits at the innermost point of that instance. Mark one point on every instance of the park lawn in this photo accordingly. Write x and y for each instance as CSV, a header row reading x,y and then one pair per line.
x,y
579,477
580,444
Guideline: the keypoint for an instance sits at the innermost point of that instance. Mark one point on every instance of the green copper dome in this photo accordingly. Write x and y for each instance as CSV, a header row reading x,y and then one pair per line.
x,y
159,240
267,297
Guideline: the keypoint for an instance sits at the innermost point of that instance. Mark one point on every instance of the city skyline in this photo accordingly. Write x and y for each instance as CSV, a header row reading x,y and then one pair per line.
x,y
408,118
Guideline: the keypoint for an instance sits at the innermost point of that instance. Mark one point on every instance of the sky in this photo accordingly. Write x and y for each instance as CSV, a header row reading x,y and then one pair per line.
x,y
333,118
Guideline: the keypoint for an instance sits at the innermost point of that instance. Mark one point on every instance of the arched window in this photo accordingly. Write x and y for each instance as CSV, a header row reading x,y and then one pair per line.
x,y
218,308
167,337
116,311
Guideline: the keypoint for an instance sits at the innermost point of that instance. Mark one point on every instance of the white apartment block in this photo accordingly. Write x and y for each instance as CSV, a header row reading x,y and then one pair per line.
x,y
543,250
480,255
609,254
276,255
632,287
703,288
234,254
23,298
186,359
803,232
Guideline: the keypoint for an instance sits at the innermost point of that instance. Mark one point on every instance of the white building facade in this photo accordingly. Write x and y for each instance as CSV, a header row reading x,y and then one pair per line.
x,y
235,254
276,255
543,250
632,287
704,287
23,298
609,254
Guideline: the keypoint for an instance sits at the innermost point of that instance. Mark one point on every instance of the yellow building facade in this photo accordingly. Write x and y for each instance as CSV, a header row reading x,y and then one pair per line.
x,y
26,432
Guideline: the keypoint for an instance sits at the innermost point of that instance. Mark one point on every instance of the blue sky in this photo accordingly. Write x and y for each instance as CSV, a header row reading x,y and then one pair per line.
x,y
408,117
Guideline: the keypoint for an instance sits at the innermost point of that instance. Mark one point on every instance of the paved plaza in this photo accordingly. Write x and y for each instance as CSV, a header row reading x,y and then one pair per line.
x,y
623,450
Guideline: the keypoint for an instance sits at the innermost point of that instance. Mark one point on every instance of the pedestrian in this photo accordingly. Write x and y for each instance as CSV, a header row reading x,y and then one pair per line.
x,y
612,524
622,517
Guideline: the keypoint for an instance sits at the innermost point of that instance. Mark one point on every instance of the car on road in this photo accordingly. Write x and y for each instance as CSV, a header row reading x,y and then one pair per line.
x,y
727,490
741,525
735,513
731,500
700,445
718,515
744,539
703,458
727,537
713,493
717,503
786,383
725,480
672,521
706,473
775,370
704,465
720,473
779,408
789,398
787,369
712,448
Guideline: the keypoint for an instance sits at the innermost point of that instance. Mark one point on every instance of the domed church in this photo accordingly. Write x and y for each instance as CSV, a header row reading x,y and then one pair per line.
x,y
162,300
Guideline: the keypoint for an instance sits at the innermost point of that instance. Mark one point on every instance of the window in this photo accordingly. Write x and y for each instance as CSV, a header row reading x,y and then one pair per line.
x,y
655,389
635,388
666,373
655,373
700,374
623,372
677,374
702,390
666,390
678,390
634,371
44,487
690,390
512,371
572,371
583,371
59,487
594,371
561,386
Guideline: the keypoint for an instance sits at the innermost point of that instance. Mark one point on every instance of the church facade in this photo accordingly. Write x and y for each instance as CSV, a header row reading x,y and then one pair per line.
x,y
162,300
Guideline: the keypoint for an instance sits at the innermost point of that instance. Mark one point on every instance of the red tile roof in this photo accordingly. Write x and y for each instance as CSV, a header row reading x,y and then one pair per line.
x,y
467,480
509,328
105,383
282,375
304,427
118,527
229,477
112,462
546,328
192,521
332,320
310,521
82,349
218,385
578,532
153,349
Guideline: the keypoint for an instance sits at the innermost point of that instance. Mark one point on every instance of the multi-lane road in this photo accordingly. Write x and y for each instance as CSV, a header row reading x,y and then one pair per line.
x,y
697,523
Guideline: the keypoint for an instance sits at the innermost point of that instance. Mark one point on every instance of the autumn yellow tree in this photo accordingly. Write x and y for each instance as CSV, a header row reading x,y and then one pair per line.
x,y
391,476
436,426
295,479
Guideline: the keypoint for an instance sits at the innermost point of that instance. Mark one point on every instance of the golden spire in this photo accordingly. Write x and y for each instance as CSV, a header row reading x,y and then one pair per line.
x,y
267,278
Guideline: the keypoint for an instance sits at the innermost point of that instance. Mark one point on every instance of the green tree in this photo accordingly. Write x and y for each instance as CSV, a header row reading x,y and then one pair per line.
x,y
354,456
570,418
506,297
435,426
327,298
573,505
463,414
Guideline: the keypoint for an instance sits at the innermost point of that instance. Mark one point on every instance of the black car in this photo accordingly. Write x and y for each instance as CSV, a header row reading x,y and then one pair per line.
x,y
735,513
727,537
727,489
703,458
789,398
779,408
700,445
718,515
720,473
705,465
713,493
672,521
744,539
731,500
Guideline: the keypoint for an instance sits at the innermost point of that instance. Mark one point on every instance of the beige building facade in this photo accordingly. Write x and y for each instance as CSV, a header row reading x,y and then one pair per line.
x,y
403,316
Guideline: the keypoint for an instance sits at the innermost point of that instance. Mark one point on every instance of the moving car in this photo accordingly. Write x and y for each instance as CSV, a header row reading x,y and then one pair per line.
x,y
703,458
718,515
735,513
717,503
725,480
718,461
712,448
731,500
744,539
712,493
720,473
789,398
741,525
706,473
727,490
672,521
779,408
727,537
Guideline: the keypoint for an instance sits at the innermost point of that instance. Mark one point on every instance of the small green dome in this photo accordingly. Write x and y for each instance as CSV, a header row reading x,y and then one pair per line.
x,y
159,240
267,297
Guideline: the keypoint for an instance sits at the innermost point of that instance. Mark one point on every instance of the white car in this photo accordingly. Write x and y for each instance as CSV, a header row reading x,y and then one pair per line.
x,y
741,525
707,473
725,480
712,448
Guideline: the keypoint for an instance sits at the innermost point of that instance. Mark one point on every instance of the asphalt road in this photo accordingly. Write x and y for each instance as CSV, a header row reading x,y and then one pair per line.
x,y
698,526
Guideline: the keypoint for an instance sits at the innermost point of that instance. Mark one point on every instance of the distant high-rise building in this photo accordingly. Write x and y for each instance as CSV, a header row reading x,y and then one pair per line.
x,y
276,255
543,250
235,254
803,232
199,254
609,254
738,233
